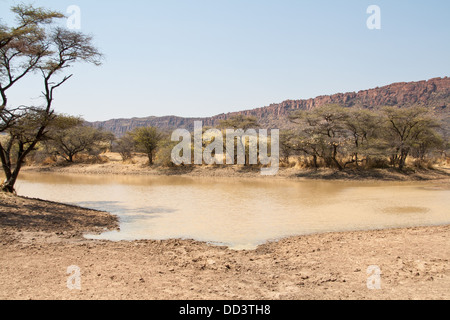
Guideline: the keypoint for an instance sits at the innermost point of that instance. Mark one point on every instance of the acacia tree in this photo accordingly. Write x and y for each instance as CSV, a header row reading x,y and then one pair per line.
x,y
323,133
244,123
310,144
359,134
286,145
125,147
146,140
69,136
239,122
22,48
406,129
428,141
20,138
48,51
362,126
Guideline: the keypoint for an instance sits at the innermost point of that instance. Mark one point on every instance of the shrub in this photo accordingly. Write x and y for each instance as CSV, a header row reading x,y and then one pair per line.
x,y
424,164
164,154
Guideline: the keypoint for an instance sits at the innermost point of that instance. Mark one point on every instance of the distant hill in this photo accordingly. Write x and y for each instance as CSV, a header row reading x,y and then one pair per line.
x,y
433,94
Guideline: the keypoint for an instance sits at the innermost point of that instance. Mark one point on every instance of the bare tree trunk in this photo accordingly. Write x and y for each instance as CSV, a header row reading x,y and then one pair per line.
x,y
8,185
316,166
394,159
336,162
10,182
402,160
150,158
4,156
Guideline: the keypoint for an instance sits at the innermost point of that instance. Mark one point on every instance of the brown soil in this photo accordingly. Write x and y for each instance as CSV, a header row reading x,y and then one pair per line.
x,y
40,240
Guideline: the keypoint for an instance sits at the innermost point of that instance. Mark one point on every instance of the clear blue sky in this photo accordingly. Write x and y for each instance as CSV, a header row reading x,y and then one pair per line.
x,y
206,57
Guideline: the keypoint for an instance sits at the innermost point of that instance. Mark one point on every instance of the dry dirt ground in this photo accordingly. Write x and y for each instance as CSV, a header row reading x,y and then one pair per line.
x,y
40,240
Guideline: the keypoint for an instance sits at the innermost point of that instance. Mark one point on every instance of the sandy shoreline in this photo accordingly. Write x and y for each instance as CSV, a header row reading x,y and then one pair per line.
x,y
116,167
39,240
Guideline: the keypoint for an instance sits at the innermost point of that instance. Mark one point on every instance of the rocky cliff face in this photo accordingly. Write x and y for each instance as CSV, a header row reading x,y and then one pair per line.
x,y
434,93
120,126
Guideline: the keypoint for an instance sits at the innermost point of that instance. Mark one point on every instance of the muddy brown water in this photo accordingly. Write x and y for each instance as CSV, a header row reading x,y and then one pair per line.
x,y
242,213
